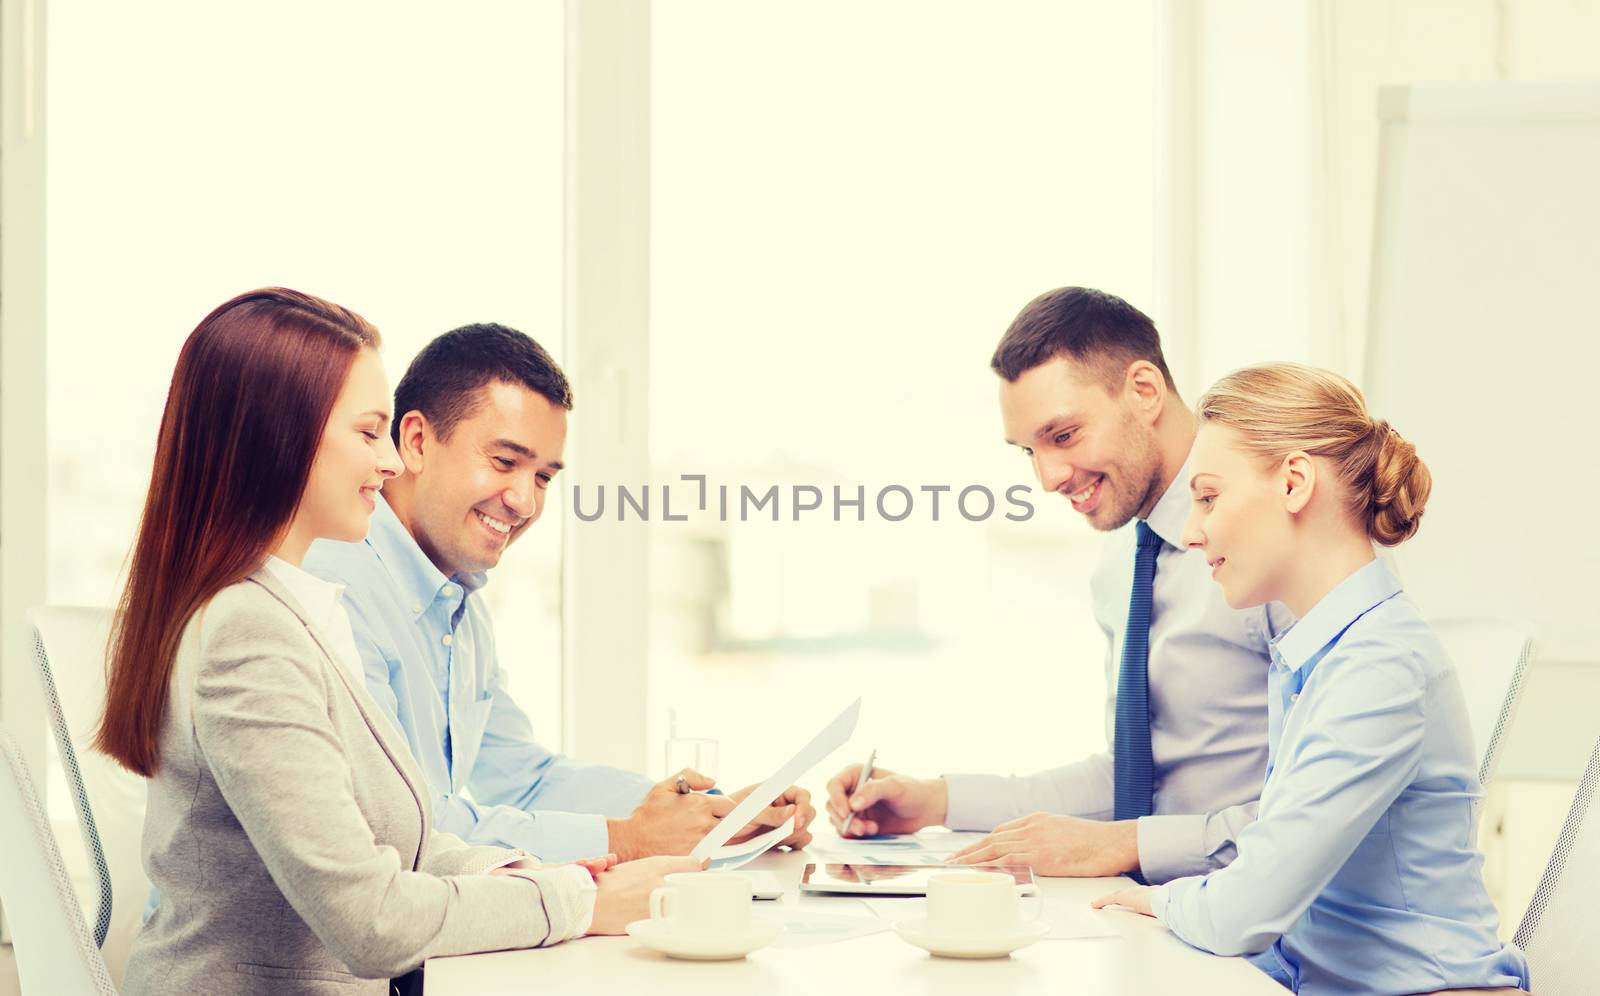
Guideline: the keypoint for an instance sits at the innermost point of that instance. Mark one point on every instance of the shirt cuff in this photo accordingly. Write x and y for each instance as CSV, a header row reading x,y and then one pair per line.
x,y
588,890
1172,846
525,863
571,889
1158,902
567,836
977,802
515,857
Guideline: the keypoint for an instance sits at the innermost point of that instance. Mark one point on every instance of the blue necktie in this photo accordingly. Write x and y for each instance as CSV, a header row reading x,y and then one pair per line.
x,y
1134,763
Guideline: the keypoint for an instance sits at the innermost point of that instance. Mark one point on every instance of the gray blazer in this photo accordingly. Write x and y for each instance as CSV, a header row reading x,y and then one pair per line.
x,y
289,831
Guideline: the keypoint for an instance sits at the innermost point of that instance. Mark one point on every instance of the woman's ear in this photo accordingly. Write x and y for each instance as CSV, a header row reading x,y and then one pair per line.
x,y
1298,477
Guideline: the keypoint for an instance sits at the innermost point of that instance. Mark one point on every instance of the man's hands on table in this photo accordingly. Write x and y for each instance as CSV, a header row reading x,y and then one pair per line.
x,y
888,803
1059,846
670,822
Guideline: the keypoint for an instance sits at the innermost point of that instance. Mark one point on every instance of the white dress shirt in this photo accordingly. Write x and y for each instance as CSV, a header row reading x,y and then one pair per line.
x,y
1208,711
320,599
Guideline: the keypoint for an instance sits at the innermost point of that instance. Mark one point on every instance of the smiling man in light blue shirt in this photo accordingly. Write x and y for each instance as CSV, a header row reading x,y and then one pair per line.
x,y
481,427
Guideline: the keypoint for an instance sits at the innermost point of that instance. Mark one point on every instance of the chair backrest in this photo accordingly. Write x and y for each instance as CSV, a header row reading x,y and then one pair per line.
x,y
54,950
69,650
1493,657
1557,932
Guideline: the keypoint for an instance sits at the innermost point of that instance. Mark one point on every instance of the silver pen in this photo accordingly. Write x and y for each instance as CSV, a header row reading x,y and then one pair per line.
x,y
866,775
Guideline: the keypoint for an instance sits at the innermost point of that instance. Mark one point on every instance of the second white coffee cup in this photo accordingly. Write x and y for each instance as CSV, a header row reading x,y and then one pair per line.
x,y
973,902
703,902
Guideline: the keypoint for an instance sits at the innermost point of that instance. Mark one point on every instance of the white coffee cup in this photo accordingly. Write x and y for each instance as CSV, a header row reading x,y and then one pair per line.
x,y
703,902
973,902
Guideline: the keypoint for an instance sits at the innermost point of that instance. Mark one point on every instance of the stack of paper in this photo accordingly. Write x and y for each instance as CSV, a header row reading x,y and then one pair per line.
x,y
730,856
833,736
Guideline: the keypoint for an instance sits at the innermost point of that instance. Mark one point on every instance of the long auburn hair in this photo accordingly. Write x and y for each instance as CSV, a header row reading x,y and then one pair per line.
x,y
250,398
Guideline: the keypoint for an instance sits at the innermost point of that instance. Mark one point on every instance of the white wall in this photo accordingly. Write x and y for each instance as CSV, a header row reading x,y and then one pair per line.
x,y
1269,143
1279,127
22,366
1237,221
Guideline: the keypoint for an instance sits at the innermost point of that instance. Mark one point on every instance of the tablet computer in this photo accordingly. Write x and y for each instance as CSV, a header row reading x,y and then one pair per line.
x,y
896,880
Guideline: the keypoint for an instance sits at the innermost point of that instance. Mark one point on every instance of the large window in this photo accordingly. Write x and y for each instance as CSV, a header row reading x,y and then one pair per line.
x,y
401,160
850,203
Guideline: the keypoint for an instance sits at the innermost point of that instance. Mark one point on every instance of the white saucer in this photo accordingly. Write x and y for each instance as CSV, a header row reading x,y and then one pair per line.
x,y
657,936
990,944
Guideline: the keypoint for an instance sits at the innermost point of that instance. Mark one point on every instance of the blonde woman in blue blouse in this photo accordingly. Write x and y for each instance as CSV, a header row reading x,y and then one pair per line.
x,y
1361,873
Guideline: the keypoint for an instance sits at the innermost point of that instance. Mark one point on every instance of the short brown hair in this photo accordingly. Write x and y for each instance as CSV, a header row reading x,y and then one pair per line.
x,y
1090,326
443,380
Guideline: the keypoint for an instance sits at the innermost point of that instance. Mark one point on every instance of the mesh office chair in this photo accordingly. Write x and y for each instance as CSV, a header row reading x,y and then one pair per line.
x,y
69,652
1557,932
55,951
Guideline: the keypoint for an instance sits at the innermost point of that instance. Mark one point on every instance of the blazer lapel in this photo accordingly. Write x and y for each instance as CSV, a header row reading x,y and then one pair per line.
x,y
382,730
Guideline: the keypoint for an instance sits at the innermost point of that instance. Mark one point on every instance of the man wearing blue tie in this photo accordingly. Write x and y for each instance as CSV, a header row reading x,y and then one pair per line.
x,y
1086,395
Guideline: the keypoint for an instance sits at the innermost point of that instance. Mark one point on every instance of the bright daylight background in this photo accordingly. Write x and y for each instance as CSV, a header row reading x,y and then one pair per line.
x,y
196,153
849,202
838,242
836,250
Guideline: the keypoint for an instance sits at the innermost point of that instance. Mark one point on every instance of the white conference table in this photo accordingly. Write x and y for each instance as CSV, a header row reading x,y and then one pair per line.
x,y
1144,959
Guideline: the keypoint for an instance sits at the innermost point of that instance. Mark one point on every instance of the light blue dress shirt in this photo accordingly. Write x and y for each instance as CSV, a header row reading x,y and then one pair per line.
x,y
1361,873
427,647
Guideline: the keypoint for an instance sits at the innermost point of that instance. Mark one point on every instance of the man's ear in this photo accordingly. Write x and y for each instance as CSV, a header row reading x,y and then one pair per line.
x,y
416,440
1146,388
1298,477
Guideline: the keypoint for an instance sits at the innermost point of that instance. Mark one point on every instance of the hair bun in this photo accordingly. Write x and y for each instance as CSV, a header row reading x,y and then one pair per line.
x,y
1400,487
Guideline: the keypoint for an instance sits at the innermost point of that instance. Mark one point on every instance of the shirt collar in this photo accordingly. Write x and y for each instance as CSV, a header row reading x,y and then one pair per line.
x,y
1171,513
1368,586
319,598
411,569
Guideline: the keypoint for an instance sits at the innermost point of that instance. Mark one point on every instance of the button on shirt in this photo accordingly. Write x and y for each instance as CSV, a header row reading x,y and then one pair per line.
x,y
1208,711
1362,873
427,650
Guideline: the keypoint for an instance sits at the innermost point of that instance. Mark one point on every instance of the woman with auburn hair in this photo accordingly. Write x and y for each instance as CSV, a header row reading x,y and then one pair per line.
x,y
1361,873
288,829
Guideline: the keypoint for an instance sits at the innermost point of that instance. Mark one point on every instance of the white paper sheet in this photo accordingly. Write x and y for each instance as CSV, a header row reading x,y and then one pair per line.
x,y
1069,920
926,848
886,857
882,840
807,928
893,908
1073,919
730,856
833,736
